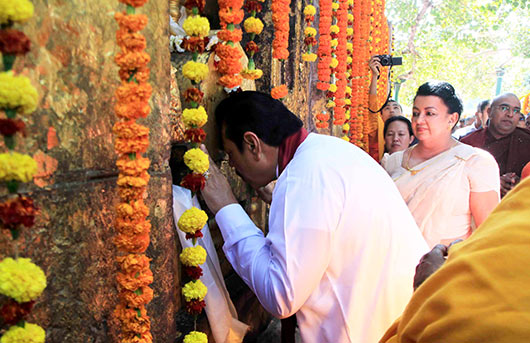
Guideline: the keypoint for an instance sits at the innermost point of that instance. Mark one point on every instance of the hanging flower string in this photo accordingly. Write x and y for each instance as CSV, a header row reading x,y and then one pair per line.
x,y
324,45
280,43
229,65
340,71
21,281
131,141
310,33
253,26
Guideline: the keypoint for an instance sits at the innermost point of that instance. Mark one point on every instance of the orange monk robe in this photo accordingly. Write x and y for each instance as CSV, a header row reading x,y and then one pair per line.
x,y
526,171
376,140
482,292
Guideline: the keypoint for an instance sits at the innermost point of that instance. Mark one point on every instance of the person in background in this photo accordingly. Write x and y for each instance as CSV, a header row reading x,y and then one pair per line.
x,y
509,144
398,134
521,123
527,121
480,293
481,118
376,140
449,187
331,256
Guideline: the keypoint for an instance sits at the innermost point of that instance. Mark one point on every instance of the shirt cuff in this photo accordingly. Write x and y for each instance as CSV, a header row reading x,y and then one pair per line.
x,y
235,224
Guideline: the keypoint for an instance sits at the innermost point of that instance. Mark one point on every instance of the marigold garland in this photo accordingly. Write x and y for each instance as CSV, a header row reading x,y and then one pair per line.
x,y
195,337
30,333
279,92
21,279
131,140
324,44
253,26
230,15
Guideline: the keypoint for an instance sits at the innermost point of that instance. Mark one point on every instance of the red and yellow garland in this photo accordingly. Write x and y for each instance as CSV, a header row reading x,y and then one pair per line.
x,y
324,45
21,281
131,141
253,26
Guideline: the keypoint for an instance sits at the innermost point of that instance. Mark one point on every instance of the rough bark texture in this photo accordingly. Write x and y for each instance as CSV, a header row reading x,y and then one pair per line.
x,y
71,64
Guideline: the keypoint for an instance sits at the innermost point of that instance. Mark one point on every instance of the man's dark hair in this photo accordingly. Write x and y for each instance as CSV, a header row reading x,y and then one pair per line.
x,y
391,101
444,91
257,112
397,118
482,105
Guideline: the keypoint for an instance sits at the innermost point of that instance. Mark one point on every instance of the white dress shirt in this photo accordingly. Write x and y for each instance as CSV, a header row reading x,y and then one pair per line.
x,y
342,245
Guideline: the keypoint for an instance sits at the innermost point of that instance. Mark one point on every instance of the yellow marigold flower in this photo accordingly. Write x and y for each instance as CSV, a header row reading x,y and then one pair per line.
x,y
349,46
196,337
334,63
350,17
194,290
251,74
335,6
347,74
347,90
192,220
18,167
195,71
253,25
349,31
347,101
17,93
350,2
197,160
30,333
334,43
194,117
345,137
310,31
332,88
196,26
330,104
349,60
347,115
334,29
310,10
21,279
193,256
309,57
15,10
346,127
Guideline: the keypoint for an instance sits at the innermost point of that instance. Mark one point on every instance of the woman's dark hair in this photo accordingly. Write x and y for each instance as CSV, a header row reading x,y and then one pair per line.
x,y
257,112
397,118
444,91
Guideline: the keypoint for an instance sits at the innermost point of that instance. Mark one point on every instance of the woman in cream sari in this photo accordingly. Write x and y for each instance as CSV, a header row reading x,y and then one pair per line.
x,y
449,187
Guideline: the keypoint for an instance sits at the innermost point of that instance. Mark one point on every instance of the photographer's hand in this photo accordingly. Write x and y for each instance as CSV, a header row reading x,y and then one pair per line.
x,y
375,66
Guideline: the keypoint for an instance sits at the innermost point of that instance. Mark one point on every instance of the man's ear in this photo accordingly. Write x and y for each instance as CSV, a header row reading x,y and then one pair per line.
x,y
454,119
252,142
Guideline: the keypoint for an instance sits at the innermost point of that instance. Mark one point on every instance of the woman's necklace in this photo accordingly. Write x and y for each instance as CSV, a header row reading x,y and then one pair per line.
x,y
416,171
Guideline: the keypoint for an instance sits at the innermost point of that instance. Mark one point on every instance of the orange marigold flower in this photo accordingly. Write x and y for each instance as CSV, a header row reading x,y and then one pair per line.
x,y
129,129
131,193
133,263
195,44
134,3
133,181
323,116
131,145
131,41
141,296
132,110
280,54
232,36
129,227
132,91
227,51
322,86
135,243
251,74
134,281
135,210
229,66
131,22
279,91
141,74
230,3
230,81
231,16
196,135
133,167
322,125
132,59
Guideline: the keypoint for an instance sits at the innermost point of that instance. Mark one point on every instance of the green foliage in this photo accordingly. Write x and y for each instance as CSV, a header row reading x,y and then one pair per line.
x,y
463,42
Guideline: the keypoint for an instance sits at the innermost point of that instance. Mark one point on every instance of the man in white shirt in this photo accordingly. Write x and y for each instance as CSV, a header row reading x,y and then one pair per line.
x,y
481,118
342,246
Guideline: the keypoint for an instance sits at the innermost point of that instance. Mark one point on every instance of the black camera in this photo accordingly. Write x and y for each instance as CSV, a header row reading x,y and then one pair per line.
x,y
388,60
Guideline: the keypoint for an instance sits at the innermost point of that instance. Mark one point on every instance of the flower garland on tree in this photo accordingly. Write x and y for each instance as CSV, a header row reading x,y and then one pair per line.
x,y
356,117
194,118
20,279
253,26
131,141
324,45
310,33
342,56
280,43
229,65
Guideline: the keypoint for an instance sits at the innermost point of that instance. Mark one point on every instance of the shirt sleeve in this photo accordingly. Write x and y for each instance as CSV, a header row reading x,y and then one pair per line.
x,y
284,268
483,172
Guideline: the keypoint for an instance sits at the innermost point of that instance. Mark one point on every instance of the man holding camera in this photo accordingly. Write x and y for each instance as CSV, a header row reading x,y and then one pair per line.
x,y
376,141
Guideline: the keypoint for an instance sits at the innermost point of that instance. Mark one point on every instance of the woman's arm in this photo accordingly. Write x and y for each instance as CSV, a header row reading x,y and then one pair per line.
x,y
481,204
